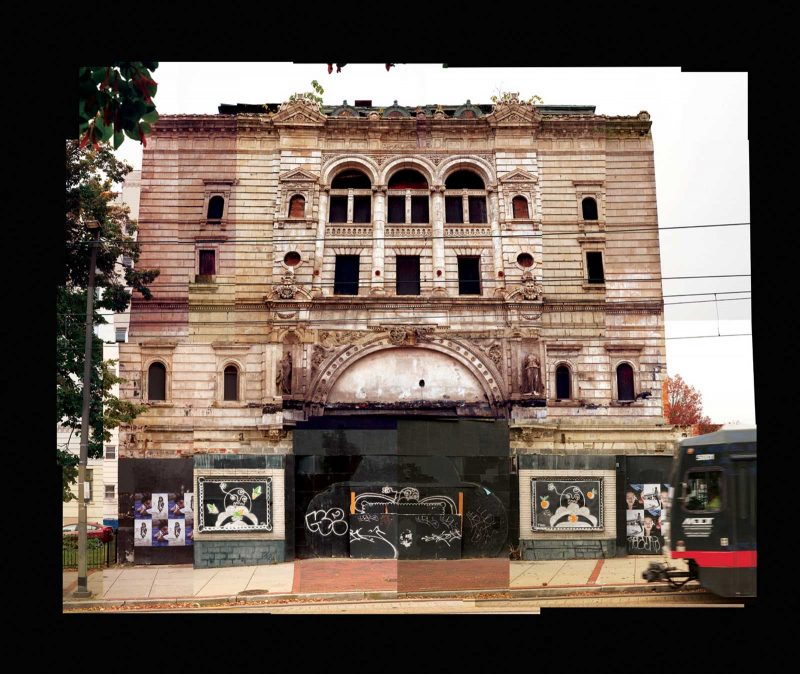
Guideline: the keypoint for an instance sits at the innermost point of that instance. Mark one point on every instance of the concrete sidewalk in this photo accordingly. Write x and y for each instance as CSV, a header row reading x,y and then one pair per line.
x,y
182,583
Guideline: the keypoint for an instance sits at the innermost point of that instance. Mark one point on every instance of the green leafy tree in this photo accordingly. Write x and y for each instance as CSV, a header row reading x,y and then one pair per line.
x,y
90,176
116,101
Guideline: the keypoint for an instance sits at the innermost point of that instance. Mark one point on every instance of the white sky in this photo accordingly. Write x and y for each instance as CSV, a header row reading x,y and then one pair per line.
x,y
701,159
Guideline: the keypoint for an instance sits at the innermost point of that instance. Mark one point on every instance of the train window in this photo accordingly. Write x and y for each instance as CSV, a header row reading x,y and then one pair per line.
x,y
703,490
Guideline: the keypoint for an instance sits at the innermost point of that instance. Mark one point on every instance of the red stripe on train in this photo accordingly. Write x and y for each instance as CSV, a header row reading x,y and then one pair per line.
x,y
735,559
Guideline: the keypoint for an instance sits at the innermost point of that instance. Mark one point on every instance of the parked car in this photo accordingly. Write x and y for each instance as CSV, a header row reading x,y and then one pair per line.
x,y
93,530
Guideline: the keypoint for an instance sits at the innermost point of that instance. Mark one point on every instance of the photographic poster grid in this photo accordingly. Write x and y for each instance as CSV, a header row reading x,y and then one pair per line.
x,y
574,504
163,519
234,504
646,508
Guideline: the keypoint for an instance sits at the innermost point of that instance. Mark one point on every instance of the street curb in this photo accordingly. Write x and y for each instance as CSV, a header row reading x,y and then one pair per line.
x,y
556,590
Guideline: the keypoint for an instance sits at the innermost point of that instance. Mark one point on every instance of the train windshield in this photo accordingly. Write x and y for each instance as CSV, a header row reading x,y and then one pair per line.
x,y
703,490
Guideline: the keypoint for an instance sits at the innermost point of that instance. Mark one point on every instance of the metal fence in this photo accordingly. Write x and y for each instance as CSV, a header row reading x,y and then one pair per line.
x,y
98,554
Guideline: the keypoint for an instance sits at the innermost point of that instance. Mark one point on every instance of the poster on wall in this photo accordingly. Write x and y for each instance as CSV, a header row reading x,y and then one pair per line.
x,y
162,519
574,504
646,517
234,504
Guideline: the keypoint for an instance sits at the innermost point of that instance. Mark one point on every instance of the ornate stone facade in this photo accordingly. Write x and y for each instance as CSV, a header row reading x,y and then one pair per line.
x,y
273,298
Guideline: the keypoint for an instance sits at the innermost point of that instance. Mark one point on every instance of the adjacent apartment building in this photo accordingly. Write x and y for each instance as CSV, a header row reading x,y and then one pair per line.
x,y
426,331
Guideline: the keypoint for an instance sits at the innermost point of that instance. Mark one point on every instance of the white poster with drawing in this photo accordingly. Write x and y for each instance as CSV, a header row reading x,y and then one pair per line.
x,y
143,533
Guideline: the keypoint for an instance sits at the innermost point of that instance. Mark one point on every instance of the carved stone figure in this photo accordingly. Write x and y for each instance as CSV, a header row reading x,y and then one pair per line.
x,y
283,380
532,379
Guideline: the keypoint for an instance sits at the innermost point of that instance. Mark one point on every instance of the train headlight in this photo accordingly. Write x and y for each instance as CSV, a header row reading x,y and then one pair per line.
x,y
680,546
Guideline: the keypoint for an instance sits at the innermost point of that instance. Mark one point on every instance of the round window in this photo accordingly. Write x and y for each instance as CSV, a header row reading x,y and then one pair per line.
x,y
291,259
525,260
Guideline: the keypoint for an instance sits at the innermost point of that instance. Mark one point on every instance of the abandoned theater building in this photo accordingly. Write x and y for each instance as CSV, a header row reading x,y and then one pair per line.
x,y
425,332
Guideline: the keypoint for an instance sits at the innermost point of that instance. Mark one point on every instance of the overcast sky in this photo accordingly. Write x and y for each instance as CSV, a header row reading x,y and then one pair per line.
x,y
701,159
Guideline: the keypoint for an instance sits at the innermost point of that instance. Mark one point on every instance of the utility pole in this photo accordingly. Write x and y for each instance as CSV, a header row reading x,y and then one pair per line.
x,y
82,592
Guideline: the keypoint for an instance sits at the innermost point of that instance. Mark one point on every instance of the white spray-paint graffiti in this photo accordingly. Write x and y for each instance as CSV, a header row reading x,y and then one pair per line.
x,y
324,522
406,499
648,543
482,525
372,535
446,537
406,538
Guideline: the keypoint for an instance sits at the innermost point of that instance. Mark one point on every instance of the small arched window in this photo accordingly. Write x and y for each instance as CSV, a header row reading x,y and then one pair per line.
x,y
520,207
625,382
216,205
231,383
589,208
157,382
297,206
563,391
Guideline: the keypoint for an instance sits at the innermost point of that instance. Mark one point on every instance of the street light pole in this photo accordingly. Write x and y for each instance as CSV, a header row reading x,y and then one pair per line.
x,y
82,592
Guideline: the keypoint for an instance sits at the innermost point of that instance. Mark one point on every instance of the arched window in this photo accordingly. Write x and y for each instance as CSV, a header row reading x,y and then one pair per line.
x,y
231,383
297,206
157,382
216,206
458,209
625,382
408,198
589,208
520,207
563,386
347,207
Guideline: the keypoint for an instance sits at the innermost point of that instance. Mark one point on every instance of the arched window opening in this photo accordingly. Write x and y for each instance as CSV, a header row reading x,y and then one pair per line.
x,y
563,391
589,208
351,179
216,206
297,206
520,207
157,382
231,383
625,382
410,201
408,179
464,180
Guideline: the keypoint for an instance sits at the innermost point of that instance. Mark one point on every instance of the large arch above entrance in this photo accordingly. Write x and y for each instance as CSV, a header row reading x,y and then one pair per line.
x,y
479,378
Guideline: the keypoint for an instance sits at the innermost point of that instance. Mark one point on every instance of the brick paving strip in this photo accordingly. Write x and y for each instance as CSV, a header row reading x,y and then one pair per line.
x,y
376,575
593,578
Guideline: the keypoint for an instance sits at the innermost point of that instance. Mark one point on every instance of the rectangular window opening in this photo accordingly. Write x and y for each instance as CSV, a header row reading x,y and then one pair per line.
x,y
469,276
111,452
419,210
338,209
345,280
397,210
704,490
408,274
111,490
453,210
362,209
594,266
121,334
477,209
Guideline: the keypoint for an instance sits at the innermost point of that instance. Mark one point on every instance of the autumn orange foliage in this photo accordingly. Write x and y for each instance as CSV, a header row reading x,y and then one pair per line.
x,y
683,406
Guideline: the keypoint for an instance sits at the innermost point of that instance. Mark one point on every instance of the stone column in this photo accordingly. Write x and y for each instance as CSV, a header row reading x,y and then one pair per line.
x,y
497,242
350,207
378,222
437,230
319,246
